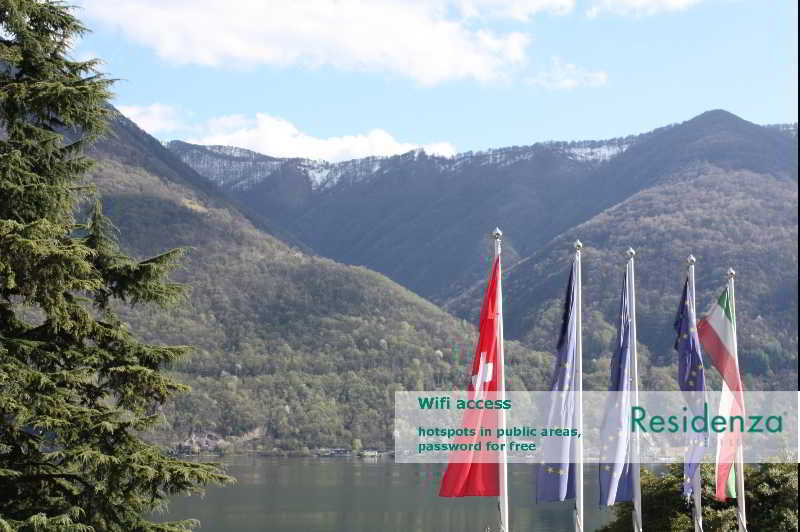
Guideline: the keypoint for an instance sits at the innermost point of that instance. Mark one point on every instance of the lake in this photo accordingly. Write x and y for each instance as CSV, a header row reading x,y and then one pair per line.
x,y
367,495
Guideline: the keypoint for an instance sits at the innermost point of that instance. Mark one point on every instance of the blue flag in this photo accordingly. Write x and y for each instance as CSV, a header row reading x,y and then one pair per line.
x,y
691,380
616,473
556,481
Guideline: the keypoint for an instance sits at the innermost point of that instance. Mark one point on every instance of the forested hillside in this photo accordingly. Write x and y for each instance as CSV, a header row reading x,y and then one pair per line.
x,y
716,186
304,349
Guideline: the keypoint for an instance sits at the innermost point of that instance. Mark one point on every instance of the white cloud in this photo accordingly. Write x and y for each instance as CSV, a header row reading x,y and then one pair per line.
x,y
280,138
430,41
638,7
154,118
561,75
521,10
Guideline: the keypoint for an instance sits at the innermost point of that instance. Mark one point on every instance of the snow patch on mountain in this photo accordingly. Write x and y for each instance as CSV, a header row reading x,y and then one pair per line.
x,y
240,169
603,152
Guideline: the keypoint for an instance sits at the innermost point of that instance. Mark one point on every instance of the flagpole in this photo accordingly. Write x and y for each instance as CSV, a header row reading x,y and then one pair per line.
x,y
637,482
738,465
497,235
579,390
697,513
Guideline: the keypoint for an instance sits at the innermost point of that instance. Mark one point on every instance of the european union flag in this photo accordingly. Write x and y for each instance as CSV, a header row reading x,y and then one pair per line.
x,y
691,379
616,473
556,481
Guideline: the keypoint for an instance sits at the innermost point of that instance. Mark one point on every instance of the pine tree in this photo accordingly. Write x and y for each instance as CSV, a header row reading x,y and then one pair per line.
x,y
77,390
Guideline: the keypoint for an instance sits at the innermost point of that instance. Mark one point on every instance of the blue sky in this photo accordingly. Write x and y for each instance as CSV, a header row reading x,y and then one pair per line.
x,y
339,79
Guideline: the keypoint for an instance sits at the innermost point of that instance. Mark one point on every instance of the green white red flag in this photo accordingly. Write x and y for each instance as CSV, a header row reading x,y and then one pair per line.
x,y
717,332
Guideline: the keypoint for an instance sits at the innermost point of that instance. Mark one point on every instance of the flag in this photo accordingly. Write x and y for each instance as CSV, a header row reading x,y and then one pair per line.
x,y
616,473
691,379
556,481
717,332
464,475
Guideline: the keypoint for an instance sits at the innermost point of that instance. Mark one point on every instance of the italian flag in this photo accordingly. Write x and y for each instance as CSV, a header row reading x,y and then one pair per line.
x,y
717,332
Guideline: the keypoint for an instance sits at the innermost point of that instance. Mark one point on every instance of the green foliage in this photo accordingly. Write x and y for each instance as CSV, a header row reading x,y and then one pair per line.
x,y
76,387
356,446
771,502
721,217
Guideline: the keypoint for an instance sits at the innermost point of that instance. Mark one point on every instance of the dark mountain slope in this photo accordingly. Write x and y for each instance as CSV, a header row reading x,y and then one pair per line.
x,y
725,218
716,186
419,219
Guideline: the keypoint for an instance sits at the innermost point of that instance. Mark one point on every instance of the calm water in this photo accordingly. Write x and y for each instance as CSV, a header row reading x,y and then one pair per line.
x,y
343,495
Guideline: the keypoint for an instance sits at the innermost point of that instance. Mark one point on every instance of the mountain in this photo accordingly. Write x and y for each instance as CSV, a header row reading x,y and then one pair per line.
x,y
419,219
294,349
717,186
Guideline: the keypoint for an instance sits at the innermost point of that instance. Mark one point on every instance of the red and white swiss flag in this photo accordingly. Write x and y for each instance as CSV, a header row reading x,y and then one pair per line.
x,y
466,475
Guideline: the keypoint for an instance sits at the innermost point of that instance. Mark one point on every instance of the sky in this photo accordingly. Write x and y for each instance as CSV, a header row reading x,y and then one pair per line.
x,y
341,79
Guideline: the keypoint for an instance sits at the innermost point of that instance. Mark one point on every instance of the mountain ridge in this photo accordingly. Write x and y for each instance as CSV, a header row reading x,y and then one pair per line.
x,y
356,220
423,223
591,149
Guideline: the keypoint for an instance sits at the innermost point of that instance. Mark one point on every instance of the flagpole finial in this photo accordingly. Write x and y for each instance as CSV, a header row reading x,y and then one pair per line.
x,y
731,273
630,253
578,245
497,234
690,260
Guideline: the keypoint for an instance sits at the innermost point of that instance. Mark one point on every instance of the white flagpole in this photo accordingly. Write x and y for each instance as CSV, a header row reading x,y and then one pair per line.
x,y
503,498
697,513
637,482
579,395
741,516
